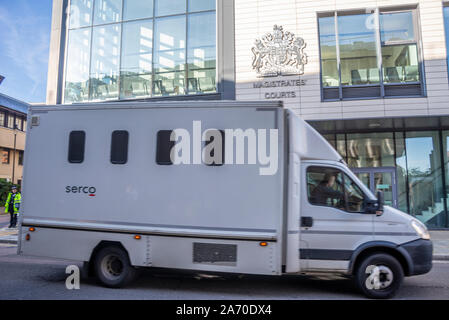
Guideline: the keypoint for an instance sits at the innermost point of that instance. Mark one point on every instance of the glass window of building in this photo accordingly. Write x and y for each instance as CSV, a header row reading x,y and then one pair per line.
x,y
5,156
328,51
169,56
154,48
104,68
80,13
2,118
201,52
20,161
166,8
369,55
11,121
358,55
107,11
201,5
370,150
425,177
137,9
399,47
406,166
18,123
77,66
136,62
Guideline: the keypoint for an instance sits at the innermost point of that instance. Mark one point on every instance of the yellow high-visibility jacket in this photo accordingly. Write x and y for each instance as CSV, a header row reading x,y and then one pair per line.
x,y
17,200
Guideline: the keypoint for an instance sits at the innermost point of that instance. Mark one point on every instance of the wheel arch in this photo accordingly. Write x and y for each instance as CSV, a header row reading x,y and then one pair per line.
x,y
391,248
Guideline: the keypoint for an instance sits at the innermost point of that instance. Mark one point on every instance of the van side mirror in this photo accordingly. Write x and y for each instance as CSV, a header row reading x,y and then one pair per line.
x,y
375,206
380,203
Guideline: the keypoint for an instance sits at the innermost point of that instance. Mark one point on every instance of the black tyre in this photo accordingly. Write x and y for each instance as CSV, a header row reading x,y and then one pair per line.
x,y
112,267
379,276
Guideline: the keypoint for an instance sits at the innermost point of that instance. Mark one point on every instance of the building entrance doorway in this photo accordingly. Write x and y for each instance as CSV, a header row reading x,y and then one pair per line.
x,y
380,179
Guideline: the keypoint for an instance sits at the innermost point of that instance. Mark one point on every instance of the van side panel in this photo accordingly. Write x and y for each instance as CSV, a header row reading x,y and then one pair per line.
x,y
198,201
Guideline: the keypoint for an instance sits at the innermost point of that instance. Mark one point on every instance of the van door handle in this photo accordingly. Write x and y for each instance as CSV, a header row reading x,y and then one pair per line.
x,y
306,222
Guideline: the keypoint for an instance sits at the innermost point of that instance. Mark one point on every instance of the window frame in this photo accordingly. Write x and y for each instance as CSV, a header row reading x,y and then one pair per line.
x,y
114,147
344,174
83,147
381,86
8,151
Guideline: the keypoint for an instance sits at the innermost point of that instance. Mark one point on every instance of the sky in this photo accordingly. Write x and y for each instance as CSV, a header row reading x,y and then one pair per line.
x,y
25,27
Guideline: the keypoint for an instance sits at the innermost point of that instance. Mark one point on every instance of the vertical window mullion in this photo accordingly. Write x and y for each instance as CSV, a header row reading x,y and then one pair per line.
x,y
119,76
337,46
152,48
379,52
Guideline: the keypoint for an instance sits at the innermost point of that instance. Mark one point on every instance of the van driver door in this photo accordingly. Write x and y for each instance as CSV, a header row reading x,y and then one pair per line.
x,y
333,219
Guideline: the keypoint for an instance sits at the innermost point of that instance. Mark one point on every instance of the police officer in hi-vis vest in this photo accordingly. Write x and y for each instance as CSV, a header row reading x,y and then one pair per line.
x,y
12,206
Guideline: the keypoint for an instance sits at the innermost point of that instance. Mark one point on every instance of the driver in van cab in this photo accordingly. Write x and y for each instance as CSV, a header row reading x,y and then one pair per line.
x,y
324,194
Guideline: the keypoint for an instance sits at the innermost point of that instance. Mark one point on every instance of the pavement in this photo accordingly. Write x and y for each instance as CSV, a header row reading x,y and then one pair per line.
x,y
440,239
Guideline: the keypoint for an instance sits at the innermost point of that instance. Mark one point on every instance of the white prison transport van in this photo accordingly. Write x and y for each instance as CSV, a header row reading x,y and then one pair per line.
x,y
136,184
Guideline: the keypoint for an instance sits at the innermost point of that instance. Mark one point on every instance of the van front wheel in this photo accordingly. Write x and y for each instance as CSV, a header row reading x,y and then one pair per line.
x,y
379,276
112,267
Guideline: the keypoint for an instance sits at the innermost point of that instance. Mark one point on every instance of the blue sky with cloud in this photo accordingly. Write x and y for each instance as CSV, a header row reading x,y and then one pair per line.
x,y
24,46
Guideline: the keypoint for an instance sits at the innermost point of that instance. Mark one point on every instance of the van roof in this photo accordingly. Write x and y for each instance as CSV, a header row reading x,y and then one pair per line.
x,y
164,104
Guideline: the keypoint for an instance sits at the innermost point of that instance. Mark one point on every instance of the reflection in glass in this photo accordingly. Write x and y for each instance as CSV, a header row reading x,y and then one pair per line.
x,y
354,195
105,63
358,54
107,11
170,44
364,177
169,84
77,67
201,40
400,63
80,13
137,9
383,181
370,150
396,26
341,146
328,50
165,8
201,5
425,177
201,53
201,81
401,172
136,60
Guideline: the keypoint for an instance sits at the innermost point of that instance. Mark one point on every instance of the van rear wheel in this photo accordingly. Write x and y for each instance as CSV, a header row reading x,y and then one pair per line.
x,y
379,276
112,267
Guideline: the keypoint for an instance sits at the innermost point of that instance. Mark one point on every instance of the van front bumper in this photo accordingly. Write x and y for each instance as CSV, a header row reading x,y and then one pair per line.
x,y
420,254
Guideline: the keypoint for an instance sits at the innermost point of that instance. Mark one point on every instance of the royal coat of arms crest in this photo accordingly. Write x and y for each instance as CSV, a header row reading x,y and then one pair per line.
x,y
279,53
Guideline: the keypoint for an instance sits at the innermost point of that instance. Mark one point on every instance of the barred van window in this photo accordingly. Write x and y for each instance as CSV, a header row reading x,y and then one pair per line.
x,y
119,147
163,148
77,141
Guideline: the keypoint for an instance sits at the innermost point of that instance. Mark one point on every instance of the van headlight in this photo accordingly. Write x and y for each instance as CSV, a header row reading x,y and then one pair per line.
x,y
421,230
